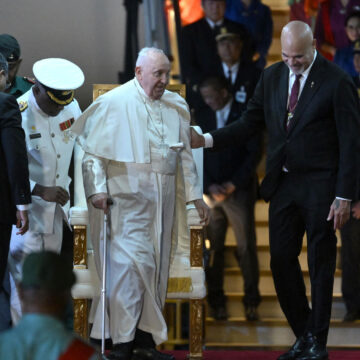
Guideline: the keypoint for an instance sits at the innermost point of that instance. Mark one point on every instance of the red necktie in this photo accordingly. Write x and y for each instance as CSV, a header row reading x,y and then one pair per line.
x,y
293,99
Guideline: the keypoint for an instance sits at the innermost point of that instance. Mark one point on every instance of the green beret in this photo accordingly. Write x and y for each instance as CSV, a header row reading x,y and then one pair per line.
x,y
47,270
9,47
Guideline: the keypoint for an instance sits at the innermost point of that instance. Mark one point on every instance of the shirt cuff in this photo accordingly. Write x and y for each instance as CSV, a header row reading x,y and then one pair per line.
x,y
340,198
23,207
209,141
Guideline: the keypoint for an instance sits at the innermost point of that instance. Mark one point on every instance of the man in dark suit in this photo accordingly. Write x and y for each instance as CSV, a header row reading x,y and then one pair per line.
x,y
198,51
310,109
350,234
242,75
16,86
230,187
14,175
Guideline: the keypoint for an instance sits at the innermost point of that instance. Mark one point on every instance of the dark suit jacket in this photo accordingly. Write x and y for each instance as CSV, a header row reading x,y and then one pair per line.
x,y
14,173
235,163
322,139
246,79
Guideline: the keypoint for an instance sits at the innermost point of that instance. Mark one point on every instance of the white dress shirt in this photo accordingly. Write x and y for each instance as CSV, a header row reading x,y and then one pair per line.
x,y
304,76
213,24
234,70
223,114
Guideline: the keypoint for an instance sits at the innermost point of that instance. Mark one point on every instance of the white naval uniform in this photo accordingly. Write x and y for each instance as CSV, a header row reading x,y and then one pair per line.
x,y
123,157
49,152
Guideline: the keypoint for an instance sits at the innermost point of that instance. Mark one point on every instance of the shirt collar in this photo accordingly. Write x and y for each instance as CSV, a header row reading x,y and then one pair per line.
x,y
143,93
33,101
234,68
213,24
226,109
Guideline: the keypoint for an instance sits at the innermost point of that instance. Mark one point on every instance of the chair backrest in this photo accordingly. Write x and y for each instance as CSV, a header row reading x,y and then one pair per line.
x,y
100,89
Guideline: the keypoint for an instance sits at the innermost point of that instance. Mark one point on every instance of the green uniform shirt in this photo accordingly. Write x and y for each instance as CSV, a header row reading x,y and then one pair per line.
x,y
36,337
21,86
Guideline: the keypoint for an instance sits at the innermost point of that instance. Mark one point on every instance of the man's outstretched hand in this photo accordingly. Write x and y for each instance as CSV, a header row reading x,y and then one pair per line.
x,y
197,140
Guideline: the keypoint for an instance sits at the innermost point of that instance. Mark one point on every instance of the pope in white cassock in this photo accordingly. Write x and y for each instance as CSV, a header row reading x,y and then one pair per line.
x,y
136,140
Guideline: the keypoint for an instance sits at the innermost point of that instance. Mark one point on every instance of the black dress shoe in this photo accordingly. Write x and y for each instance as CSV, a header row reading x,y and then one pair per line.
x,y
351,316
121,351
251,313
150,354
314,350
295,350
219,312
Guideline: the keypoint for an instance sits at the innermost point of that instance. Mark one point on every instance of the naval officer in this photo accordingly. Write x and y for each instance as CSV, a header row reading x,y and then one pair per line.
x,y
48,109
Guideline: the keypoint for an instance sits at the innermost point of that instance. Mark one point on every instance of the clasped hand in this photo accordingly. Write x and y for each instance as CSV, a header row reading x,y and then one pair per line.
x,y
52,194
220,192
340,212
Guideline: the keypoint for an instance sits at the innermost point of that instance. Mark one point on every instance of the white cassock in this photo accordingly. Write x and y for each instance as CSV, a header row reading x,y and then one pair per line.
x,y
135,150
49,149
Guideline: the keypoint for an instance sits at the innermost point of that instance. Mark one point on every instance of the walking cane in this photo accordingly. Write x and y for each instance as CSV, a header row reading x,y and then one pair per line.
x,y
103,288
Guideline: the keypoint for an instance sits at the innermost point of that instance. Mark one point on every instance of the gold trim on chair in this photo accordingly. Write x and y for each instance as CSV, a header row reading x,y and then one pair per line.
x,y
81,306
80,251
101,89
81,311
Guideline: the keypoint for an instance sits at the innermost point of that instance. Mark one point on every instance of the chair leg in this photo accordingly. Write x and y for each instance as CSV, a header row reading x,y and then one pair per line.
x,y
81,306
196,329
81,311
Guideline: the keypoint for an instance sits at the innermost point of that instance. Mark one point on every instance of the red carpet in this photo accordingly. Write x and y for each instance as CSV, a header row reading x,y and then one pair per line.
x,y
260,355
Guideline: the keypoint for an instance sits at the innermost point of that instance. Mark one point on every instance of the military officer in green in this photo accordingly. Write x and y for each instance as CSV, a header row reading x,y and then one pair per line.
x,y
10,48
41,334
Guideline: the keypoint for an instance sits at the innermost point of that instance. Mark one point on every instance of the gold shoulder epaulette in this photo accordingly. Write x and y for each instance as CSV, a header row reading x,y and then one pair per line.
x,y
23,105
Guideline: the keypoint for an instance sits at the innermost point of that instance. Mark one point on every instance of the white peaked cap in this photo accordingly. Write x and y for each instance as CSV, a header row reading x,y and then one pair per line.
x,y
58,74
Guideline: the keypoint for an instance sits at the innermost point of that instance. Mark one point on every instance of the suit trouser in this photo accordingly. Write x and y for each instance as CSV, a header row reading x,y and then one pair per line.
x,y
301,203
350,264
5,319
5,234
238,209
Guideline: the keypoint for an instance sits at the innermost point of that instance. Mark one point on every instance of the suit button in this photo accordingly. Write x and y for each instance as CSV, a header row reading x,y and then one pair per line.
x,y
52,135
57,176
58,156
